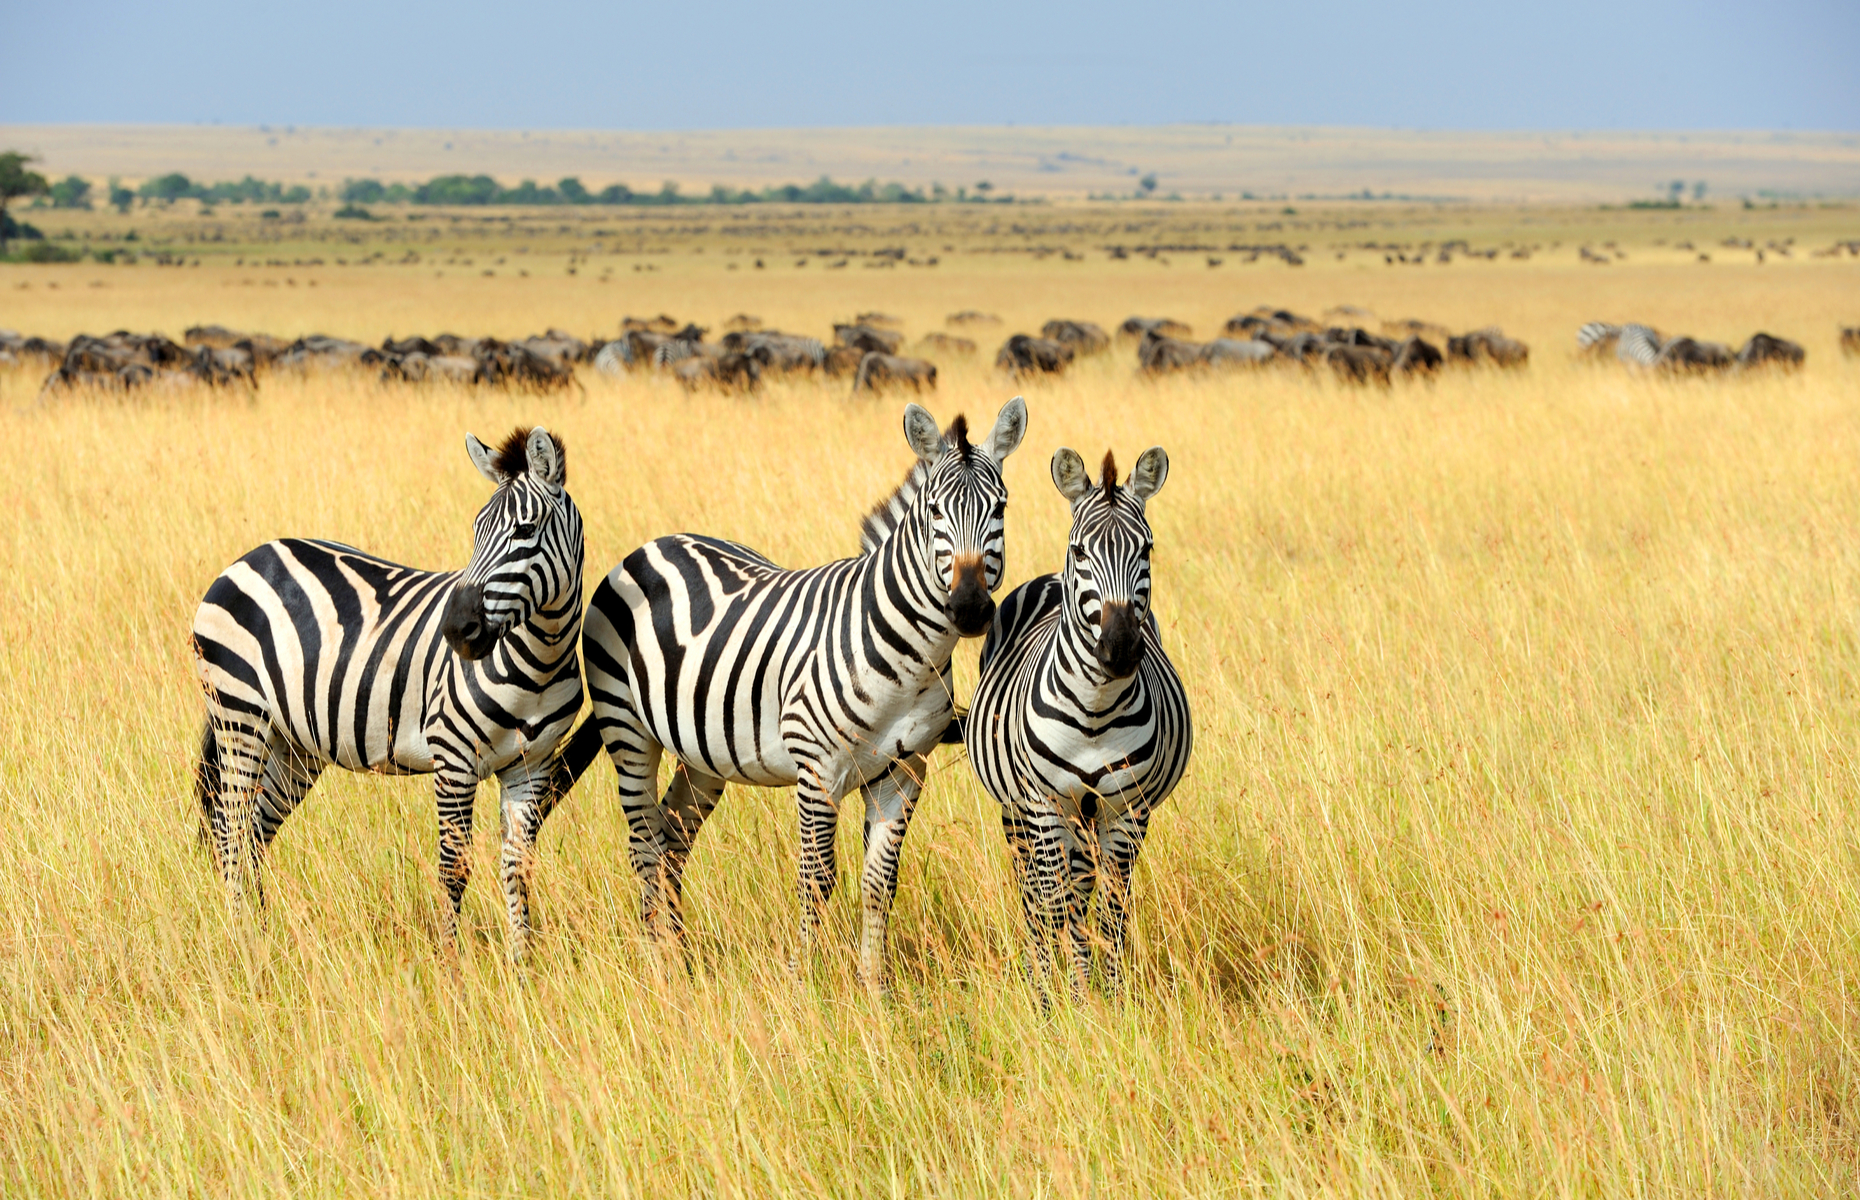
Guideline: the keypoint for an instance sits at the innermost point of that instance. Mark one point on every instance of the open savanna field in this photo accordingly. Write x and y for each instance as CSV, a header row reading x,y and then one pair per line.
x,y
1517,856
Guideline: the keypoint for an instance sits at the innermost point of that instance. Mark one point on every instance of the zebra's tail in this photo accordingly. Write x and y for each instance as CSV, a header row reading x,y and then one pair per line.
x,y
207,782
571,759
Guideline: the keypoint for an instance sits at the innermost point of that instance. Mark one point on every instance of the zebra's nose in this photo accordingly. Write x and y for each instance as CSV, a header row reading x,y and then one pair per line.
x,y
970,605
464,625
1120,639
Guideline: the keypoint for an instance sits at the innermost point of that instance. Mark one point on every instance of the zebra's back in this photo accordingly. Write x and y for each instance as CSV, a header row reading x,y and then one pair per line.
x,y
335,645
704,636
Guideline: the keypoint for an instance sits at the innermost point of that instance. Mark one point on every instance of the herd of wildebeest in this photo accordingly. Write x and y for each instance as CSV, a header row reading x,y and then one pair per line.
x,y
868,351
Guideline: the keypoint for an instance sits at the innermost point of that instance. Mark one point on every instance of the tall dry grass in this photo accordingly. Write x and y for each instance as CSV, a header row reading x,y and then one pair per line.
x,y
1517,856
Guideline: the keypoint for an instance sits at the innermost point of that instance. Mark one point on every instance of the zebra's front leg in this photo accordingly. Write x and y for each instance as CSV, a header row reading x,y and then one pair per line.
x,y
520,789
455,788
818,869
1119,845
1080,834
889,802
1040,866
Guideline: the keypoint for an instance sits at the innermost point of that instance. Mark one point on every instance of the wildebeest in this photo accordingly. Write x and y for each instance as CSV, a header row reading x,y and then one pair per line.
x,y
781,353
1134,328
970,317
23,348
318,351
878,320
1358,364
1416,356
946,343
742,322
842,360
1850,339
1339,336
557,346
1414,327
211,335
1488,345
1083,336
1688,354
419,367
886,372
1159,353
1023,354
410,345
639,347
1239,352
1763,350
658,324
124,360
734,372
868,338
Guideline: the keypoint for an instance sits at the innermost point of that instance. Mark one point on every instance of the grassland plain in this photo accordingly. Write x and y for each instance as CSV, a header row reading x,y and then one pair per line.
x,y
1517,858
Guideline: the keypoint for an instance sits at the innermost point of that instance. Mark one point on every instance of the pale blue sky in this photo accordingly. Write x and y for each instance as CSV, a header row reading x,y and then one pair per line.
x,y
558,64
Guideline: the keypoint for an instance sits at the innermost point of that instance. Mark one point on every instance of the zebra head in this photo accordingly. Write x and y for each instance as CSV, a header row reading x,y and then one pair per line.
x,y
525,541
962,500
1107,575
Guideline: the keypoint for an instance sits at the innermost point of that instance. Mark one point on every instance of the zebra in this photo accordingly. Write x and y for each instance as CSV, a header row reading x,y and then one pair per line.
x,y
313,653
1597,338
1639,345
829,679
1080,726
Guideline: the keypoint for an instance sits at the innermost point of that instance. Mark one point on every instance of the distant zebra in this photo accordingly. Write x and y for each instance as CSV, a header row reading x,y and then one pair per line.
x,y
830,679
313,653
1639,345
1597,338
1080,726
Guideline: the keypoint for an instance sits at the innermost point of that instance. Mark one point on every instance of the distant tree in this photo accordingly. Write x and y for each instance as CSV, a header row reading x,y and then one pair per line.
x,y
1698,192
615,193
121,197
16,181
1147,183
71,192
363,191
170,187
1676,189
570,190
296,195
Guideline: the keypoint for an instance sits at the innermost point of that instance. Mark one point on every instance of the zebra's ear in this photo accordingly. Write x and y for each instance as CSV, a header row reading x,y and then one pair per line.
x,y
921,432
1069,474
546,462
1010,427
1146,478
484,460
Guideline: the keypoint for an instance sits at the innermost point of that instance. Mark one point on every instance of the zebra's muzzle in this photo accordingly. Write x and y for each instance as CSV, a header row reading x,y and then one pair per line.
x,y
1120,640
465,625
970,605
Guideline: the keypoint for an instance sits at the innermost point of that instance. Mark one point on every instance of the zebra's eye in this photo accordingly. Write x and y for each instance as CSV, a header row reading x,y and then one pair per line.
x,y
524,529
936,511
1078,552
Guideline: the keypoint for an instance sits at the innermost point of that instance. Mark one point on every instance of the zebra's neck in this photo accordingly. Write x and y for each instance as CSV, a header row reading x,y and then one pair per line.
x,y
905,558
551,636
1074,656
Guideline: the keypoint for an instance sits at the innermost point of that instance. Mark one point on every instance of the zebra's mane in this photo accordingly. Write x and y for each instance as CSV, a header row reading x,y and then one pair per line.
x,y
1110,478
513,457
888,513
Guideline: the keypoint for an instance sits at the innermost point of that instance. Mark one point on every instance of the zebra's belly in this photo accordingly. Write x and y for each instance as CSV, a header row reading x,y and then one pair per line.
x,y
1113,770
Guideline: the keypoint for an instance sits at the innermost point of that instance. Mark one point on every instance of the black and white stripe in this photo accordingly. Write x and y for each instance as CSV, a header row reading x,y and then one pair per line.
x,y
1080,726
1639,345
313,653
832,679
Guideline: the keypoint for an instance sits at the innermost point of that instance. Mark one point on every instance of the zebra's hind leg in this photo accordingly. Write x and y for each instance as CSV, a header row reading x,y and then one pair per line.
x,y
1119,845
889,802
454,790
288,776
232,764
818,869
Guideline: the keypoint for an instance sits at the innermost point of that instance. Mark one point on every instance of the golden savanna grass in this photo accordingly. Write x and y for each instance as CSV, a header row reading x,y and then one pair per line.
x,y
1516,859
